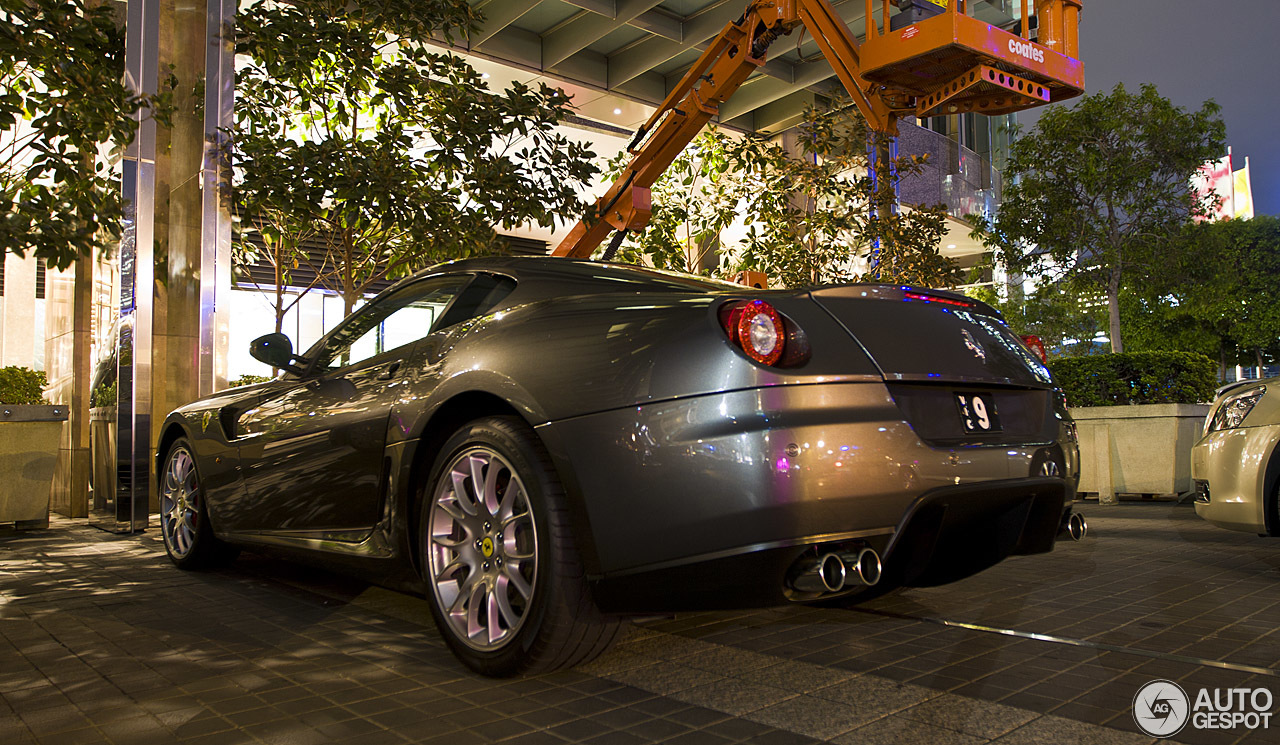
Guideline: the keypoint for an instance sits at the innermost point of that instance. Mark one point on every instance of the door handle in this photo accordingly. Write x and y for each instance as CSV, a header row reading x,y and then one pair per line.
x,y
390,372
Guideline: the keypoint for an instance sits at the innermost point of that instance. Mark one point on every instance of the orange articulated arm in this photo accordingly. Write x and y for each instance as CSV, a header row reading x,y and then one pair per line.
x,y
720,71
712,79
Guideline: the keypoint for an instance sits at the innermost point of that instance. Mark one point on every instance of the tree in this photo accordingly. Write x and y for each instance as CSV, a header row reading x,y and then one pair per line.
x,y
1099,191
1067,321
349,128
1220,294
62,101
808,216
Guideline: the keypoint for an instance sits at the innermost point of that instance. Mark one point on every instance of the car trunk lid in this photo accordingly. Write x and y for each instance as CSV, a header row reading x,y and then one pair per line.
x,y
931,336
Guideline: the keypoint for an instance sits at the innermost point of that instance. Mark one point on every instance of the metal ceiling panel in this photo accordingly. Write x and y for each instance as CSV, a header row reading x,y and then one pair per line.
x,y
638,49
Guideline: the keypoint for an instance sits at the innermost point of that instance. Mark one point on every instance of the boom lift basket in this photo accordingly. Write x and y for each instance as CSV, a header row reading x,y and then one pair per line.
x,y
953,63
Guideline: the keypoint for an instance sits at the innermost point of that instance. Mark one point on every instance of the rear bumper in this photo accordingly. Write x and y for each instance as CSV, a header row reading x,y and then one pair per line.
x,y
674,484
948,533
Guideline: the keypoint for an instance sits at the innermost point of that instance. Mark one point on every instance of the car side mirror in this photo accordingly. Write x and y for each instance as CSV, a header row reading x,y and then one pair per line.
x,y
275,350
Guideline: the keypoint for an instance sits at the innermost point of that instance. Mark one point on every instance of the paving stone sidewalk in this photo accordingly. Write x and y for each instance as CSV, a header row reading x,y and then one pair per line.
x,y
102,640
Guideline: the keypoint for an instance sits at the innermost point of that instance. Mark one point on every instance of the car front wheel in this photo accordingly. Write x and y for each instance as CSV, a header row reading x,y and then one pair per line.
x,y
184,518
506,583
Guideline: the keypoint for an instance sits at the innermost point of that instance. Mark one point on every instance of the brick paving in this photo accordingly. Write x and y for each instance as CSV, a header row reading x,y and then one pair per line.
x,y
102,640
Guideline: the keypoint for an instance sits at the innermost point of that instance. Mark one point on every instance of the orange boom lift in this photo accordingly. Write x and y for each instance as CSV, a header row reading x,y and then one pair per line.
x,y
945,62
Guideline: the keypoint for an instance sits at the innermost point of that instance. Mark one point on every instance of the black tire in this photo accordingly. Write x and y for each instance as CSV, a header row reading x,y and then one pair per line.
x,y
484,553
188,535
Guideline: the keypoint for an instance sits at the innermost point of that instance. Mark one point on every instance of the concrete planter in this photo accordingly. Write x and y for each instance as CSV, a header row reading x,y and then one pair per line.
x,y
1143,449
29,437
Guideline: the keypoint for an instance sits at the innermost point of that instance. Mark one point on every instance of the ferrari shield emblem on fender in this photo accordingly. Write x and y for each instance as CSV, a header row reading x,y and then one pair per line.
x,y
972,345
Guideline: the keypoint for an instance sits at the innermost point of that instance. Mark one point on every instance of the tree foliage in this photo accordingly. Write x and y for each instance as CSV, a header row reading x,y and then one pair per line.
x,y
808,215
1067,321
350,129
1099,191
62,103
21,385
1220,293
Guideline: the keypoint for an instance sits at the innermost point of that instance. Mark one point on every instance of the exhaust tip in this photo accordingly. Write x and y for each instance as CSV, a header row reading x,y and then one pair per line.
x,y
869,567
863,566
833,572
821,574
1077,528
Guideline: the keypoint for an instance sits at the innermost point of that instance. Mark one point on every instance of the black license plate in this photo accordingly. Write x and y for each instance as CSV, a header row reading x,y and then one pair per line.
x,y
978,412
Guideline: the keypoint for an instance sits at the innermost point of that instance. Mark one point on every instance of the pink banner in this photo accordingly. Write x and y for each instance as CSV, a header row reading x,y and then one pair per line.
x,y
1215,178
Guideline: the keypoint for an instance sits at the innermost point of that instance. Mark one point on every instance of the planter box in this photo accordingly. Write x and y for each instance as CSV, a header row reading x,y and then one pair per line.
x,y
1144,449
29,438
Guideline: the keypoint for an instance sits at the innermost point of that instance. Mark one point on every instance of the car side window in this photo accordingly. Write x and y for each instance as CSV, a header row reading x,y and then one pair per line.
x,y
400,318
484,293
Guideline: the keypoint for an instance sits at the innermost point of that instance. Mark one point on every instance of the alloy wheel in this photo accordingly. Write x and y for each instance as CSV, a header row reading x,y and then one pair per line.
x,y
180,503
1050,468
483,549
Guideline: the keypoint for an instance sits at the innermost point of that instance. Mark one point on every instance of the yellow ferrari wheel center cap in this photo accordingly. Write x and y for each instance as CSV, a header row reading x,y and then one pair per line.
x,y
487,547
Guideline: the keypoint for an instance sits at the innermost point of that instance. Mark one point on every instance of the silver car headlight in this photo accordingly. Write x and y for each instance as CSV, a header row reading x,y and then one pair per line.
x,y
1234,408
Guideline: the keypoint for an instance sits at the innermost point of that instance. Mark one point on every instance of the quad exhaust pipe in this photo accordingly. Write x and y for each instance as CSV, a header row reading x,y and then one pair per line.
x,y
833,572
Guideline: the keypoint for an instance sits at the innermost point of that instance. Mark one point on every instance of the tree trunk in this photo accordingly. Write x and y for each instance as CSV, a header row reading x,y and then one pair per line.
x,y
279,292
348,275
1113,310
1257,355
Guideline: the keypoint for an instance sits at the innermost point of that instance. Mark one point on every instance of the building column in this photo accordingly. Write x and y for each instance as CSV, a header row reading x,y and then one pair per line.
x,y
127,508
180,152
69,367
215,257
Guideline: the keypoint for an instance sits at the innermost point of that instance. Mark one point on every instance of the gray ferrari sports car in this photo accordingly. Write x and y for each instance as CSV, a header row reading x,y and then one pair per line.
x,y
545,447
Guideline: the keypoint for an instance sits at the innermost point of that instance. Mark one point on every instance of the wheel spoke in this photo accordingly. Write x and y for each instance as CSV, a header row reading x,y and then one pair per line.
x,y
452,509
477,466
491,488
512,573
453,566
509,614
495,629
507,508
460,494
514,519
448,541
473,610
189,520
466,590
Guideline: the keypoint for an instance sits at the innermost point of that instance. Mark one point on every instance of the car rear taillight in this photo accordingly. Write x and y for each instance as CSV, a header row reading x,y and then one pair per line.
x,y
1033,342
758,329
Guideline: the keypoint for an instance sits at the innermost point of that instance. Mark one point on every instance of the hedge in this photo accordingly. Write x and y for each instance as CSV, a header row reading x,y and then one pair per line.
x,y
21,385
1136,378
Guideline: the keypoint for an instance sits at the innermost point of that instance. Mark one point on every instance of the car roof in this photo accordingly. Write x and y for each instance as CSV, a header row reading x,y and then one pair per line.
x,y
550,268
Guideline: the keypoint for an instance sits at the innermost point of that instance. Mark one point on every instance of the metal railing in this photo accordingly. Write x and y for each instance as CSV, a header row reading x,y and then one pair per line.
x,y
954,176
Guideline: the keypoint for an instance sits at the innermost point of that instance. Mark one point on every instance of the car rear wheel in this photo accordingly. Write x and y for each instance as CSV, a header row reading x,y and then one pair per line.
x,y
184,519
505,581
